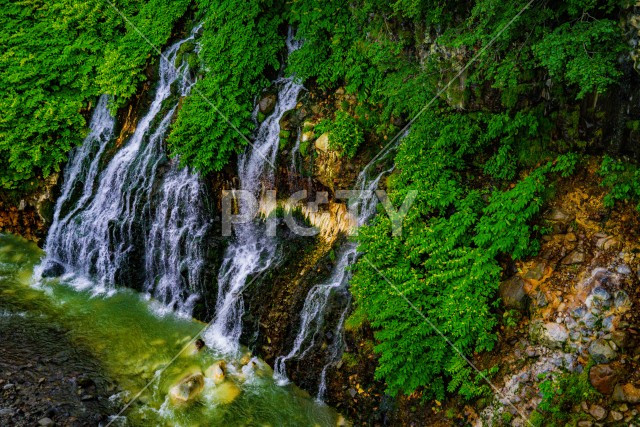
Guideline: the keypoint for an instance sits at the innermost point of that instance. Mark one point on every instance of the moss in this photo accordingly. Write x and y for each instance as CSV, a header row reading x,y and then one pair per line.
x,y
304,148
261,117
536,419
185,48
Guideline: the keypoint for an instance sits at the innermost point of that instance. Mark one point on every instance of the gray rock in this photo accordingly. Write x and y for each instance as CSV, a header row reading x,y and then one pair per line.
x,y
551,335
607,323
599,293
536,272
560,215
621,300
606,243
616,416
45,422
623,269
626,393
570,322
512,293
541,299
267,104
578,312
598,412
602,352
589,320
575,257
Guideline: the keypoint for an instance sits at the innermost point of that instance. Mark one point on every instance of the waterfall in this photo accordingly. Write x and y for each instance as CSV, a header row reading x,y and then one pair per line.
x,y
142,221
252,251
312,317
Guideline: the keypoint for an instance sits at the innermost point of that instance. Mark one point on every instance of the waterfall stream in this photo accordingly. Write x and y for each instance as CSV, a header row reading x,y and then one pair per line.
x,y
312,317
253,250
143,220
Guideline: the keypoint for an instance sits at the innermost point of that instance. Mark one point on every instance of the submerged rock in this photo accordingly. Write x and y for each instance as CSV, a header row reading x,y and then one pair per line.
x,y
187,389
226,393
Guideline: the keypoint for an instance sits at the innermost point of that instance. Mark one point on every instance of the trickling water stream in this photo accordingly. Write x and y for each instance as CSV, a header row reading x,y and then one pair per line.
x,y
312,317
252,251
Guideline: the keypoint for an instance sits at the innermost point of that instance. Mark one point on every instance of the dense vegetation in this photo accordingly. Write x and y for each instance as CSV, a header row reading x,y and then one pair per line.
x,y
58,56
481,157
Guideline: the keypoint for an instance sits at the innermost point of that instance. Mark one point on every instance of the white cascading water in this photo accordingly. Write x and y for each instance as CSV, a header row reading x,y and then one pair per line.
x,y
138,212
252,251
317,300
80,174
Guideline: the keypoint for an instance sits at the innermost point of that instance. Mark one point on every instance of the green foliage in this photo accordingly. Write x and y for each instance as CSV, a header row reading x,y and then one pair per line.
x,y
445,261
240,43
583,53
58,56
622,179
561,392
344,133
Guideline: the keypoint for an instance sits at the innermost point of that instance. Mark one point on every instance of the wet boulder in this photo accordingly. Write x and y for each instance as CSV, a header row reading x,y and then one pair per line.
x,y
187,389
216,372
225,393
267,104
53,269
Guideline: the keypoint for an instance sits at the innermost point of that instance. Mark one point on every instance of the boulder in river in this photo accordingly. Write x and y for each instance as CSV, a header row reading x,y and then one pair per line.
x,y
268,103
53,269
187,389
226,393
216,372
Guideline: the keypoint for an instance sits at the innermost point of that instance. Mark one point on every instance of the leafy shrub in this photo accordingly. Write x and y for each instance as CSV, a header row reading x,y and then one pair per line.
x,y
623,181
240,43
344,133
561,392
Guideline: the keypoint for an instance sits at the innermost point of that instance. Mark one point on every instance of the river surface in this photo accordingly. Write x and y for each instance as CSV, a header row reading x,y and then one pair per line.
x,y
133,339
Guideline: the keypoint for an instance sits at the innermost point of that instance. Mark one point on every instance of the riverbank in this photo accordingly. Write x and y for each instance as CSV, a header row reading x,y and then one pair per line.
x,y
47,380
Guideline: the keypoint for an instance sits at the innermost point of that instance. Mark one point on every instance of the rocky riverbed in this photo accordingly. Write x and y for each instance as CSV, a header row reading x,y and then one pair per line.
x,y
45,380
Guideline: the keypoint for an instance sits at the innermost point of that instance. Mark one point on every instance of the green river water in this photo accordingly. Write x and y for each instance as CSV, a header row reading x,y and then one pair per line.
x,y
133,340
